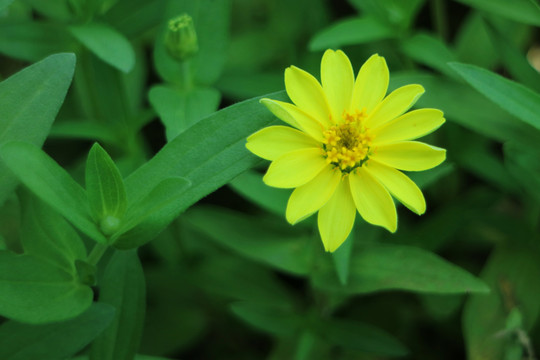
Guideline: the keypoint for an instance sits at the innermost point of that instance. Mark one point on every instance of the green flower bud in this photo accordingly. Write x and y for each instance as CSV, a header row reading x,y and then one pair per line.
x,y
109,224
181,38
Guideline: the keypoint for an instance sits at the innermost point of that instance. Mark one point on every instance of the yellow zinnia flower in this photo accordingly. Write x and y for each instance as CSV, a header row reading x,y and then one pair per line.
x,y
346,146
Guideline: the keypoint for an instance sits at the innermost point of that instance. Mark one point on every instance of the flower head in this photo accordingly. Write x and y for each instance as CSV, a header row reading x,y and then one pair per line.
x,y
347,145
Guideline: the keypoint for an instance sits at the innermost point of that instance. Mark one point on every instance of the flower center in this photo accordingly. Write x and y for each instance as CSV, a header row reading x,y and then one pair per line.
x,y
348,145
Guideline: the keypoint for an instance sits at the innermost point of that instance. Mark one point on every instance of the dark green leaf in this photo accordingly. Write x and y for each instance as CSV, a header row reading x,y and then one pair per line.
x,y
515,98
428,50
473,44
524,165
30,101
524,11
53,341
272,319
36,291
122,286
107,44
52,184
56,9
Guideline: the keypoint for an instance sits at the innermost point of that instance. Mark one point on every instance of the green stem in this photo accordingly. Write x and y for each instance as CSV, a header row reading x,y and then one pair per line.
x,y
438,14
187,78
96,253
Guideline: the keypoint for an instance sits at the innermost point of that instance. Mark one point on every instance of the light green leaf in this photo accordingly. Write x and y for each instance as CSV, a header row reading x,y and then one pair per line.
x,y
351,32
265,240
53,341
122,286
178,110
52,184
106,43
515,98
273,319
512,273
147,217
104,187
29,102
523,11
5,4
36,291
394,267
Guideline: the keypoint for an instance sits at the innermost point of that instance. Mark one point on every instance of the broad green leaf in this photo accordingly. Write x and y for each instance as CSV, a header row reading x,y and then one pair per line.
x,y
105,189
351,32
106,43
515,98
56,9
524,165
29,102
123,287
250,186
428,50
55,341
147,217
81,129
178,110
46,235
209,154
37,291
512,273
265,240
524,11
273,319
358,336
50,182
395,267
32,41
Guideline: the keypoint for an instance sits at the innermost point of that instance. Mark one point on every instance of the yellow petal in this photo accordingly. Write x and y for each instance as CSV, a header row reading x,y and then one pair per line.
x,y
399,185
409,126
336,217
371,84
275,141
395,104
308,198
372,200
294,116
337,79
295,168
306,92
409,155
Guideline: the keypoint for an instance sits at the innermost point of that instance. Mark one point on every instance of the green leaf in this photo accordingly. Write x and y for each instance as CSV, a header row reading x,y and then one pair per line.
x,y
394,12
351,32
56,9
524,165
275,320
4,4
209,154
250,185
178,110
53,341
392,267
104,187
50,182
37,291
46,235
265,240
524,11
107,44
147,217
30,100
360,337
342,257
123,287
428,50
512,273
473,44
515,98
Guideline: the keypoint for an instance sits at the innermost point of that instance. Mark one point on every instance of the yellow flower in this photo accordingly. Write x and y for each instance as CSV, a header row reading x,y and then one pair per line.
x,y
346,146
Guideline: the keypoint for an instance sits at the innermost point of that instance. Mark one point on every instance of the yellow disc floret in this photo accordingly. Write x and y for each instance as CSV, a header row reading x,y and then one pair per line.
x,y
347,145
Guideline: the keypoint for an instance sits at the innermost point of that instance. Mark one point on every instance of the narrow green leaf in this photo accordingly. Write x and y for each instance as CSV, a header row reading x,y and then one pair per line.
x,y
179,110
275,320
209,154
515,98
524,11
123,287
428,50
472,44
53,341
512,273
361,337
392,267
104,187
395,12
30,100
265,240
524,165
51,183
147,217
107,44
36,291
351,32
342,257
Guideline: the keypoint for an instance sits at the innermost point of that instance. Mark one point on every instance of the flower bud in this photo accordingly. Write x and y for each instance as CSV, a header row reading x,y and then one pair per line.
x,y
181,38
